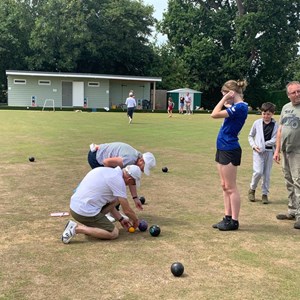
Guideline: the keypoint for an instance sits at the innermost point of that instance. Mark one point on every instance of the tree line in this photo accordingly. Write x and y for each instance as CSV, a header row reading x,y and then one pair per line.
x,y
208,43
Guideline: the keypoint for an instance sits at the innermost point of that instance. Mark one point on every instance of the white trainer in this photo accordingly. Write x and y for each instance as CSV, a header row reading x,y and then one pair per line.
x,y
93,148
110,217
124,216
69,232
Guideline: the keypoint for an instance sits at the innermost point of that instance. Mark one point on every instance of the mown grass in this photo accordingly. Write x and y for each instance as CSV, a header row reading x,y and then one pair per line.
x,y
260,261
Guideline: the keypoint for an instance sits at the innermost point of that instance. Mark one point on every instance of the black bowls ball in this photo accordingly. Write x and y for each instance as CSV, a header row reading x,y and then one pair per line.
x,y
142,199
165,169
154,230
177,269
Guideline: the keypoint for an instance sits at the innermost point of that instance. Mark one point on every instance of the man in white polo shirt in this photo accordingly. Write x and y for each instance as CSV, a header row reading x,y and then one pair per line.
x,y
98,193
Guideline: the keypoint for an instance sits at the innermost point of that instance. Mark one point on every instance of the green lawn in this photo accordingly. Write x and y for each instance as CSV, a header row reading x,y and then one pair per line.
x,y
259,261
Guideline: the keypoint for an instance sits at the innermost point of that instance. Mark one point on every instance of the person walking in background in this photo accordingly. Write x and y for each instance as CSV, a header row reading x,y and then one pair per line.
x,y
288,142
188,101
98,193
181,104
229,152
170,107
262,139
131,104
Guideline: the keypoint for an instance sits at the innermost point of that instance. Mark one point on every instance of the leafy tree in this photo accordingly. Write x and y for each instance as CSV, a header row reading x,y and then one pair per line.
x,y
103,36
170,67
15,24
293,69
270,30
119,42
222,39
97,36
58,35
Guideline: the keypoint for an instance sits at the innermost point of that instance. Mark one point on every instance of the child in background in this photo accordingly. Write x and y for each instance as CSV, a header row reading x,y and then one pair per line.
x,y
181,105
262,139
170,107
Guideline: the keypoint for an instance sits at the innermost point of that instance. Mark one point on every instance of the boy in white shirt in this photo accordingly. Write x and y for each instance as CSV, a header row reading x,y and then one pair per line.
x,y
262,139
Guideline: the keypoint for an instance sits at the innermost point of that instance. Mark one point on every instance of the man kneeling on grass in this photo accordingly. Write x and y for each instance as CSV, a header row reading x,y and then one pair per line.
x,y
98,194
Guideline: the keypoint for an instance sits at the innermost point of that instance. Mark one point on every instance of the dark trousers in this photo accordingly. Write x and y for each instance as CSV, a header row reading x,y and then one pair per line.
x,y
92,160
130,112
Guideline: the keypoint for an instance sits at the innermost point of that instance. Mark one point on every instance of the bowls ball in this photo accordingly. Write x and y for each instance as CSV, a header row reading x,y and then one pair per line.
x,y
143,225
165,169
131,229
142,199
154,230
177,269
31,159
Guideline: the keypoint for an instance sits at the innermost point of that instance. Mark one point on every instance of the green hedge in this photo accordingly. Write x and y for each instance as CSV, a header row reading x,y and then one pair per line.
x,y
279,98
257,97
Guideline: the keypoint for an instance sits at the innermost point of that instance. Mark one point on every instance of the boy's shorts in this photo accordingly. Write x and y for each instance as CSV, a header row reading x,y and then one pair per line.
x,y
225,157
98,221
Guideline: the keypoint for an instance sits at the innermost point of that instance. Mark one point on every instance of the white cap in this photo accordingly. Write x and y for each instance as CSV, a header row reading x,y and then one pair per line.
x,y
150,162
130,94
135,172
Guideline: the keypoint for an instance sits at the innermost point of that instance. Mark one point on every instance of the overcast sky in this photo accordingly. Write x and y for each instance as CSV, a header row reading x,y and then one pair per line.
x,y
159,7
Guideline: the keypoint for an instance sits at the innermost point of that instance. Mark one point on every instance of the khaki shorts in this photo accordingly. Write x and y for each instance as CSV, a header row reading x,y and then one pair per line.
x,y
98,221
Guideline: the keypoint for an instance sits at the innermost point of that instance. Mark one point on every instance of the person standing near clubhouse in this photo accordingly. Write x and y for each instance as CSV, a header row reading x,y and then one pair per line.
x,y
131,104
188,102
98,193
181,104
228,156
288,143
262,139
170,107
118,154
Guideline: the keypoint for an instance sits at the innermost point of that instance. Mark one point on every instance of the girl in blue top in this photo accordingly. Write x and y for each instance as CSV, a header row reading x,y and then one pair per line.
x,y
228,156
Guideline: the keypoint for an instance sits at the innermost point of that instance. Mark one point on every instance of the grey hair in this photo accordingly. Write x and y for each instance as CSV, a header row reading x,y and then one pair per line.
x,y
291,83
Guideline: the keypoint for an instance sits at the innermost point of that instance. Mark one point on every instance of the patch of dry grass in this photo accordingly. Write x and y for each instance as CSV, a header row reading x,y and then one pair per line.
x,y
259,261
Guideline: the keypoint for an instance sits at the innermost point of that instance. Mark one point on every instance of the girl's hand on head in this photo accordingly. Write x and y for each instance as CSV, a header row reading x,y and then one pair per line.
x,y
229,95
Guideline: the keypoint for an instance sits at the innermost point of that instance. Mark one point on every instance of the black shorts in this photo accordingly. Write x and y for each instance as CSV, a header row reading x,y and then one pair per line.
x,y
225,157
93,161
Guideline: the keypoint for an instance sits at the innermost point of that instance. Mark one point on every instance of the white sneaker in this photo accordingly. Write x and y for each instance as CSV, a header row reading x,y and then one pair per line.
x,y
93,148
110,217
69,232
124,216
